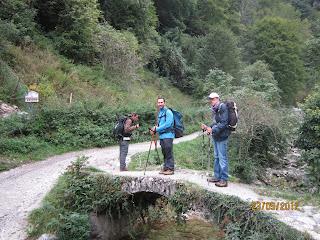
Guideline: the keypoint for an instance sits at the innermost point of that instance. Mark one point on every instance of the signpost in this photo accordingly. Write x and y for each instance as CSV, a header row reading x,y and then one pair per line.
x,y
31,98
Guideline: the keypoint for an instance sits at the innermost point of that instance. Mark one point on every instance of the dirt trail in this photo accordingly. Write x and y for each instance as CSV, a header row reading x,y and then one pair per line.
x,y
23,188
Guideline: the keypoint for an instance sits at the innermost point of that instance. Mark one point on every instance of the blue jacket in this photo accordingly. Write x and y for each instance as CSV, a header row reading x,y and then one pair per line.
x,y
220,130
165,123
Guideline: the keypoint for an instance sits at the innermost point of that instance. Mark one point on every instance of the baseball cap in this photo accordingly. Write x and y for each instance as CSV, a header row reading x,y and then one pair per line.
x,y
213,95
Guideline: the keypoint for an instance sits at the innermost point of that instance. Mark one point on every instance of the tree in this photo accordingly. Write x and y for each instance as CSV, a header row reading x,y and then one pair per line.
x,y
118,50
138,17
17,20
315,23
72,24
259,78
278,42
174,14
312,54
219,51
173,65
216,80
208,13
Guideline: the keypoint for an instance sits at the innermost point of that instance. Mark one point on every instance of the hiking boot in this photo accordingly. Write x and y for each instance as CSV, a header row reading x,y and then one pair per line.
x,y
222,183
123,169
213,180
162,170
168,172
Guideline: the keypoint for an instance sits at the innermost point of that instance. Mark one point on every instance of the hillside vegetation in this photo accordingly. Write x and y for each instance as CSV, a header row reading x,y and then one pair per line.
x,y
92,60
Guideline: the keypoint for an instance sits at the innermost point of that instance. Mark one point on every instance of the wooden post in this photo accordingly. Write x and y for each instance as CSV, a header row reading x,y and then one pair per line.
x,y
70,99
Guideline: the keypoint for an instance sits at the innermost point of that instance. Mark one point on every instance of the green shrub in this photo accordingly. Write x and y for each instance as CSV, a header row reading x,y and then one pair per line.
x,y
119,51
312,158
74,226
310,131
258,139
23,145
12,89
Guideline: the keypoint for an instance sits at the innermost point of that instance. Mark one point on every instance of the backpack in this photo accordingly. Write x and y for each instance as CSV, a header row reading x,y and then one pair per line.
x,y
118,129
233,115
178,126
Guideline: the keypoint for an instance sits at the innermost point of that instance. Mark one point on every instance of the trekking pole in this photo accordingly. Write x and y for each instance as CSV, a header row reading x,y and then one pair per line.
x,y
209,150
155,145
145,167
203,147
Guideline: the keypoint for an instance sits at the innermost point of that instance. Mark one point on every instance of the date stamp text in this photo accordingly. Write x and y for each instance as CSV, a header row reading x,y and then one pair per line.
x,y
275,206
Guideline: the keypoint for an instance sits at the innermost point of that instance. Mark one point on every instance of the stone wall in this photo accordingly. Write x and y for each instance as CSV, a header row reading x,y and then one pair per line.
x,y
161,186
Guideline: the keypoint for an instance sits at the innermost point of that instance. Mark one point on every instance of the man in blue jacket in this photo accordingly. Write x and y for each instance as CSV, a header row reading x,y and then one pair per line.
x,y
166,135
220,133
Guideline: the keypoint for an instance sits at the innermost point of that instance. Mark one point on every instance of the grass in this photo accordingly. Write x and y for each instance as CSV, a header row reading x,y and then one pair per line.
x,y
187,155
50,210
12,160
56,78
192,154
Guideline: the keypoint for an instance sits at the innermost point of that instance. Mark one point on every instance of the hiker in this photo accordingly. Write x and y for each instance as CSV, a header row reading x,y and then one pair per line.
x,y
129,126
220,134
166,135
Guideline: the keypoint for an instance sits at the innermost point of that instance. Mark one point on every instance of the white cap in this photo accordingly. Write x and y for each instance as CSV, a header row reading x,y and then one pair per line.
x,y
213,95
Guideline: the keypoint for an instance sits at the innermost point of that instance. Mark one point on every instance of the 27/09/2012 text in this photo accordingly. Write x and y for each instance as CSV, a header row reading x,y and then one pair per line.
x,y
275,206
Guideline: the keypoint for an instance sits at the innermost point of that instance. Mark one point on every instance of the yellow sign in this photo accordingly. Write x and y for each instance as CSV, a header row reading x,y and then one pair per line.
x,y
33,87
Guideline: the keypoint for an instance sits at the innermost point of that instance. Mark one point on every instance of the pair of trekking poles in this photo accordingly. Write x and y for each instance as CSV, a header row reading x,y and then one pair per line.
x,y
153,140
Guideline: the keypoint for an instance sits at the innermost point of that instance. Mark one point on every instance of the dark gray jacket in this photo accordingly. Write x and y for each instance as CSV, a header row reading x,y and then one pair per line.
x,y
220,129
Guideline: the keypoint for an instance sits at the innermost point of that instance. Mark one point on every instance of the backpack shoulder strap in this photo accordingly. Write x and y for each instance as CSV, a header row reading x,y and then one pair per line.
x,y
220,105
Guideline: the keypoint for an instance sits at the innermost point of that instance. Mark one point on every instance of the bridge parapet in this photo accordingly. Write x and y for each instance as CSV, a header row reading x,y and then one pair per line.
x,y
162,186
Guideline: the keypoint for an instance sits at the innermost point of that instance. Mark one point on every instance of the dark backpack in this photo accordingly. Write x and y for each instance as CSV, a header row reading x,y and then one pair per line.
x,y
233,114
178,126
118,129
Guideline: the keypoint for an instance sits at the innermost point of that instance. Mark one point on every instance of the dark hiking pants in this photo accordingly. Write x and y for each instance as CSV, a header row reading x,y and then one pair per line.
x,y
124,146
167,151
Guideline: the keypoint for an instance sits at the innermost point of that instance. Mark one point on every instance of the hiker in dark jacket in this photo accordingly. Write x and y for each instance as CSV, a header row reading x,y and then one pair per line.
x,y
129,126
220,133
166,135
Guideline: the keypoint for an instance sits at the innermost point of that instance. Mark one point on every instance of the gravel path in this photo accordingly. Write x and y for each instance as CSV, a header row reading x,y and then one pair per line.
x,y
23,188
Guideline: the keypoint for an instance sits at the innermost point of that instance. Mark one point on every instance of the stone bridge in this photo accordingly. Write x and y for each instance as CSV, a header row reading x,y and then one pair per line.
x,y
156,185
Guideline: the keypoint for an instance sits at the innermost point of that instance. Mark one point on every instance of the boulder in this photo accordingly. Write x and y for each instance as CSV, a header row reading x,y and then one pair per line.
x,y
6,109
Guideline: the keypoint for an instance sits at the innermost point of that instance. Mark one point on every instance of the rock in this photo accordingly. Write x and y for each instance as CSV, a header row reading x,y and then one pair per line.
x,y
6,110
316,217
316,4
307,221
47,237
307,209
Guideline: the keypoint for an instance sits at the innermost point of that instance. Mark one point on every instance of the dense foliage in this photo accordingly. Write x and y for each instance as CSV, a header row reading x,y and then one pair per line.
x,y
309,138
